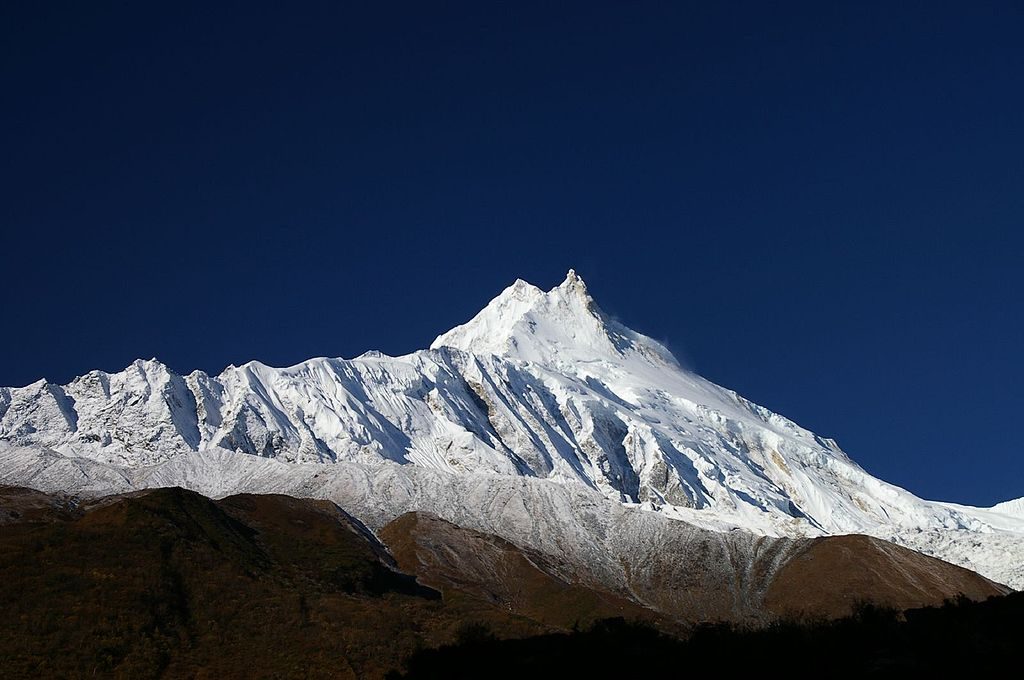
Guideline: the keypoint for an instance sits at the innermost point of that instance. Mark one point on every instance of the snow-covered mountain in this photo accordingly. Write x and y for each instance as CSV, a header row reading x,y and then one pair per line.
x,y
538,384
1013,508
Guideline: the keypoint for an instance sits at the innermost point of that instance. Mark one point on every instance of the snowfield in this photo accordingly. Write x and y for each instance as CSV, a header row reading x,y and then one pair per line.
x,y
539,404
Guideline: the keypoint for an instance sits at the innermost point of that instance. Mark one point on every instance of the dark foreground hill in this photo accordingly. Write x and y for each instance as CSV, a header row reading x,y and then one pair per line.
x,y
960,639
168,583
171,583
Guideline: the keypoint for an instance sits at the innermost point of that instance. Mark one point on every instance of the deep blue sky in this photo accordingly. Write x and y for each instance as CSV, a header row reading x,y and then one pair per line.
x,y
820,207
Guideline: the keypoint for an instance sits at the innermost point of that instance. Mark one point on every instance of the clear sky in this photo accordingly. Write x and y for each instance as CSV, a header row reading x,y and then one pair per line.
x,y
819,205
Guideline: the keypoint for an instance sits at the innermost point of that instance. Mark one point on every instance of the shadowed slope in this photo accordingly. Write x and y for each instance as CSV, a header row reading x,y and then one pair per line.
x,y
959,639
18,505
168,582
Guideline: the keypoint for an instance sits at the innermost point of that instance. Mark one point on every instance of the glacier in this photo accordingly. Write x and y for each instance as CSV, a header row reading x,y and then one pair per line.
x,y
540,390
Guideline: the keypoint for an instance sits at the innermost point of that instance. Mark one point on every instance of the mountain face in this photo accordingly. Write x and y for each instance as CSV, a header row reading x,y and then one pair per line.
x,y
538,387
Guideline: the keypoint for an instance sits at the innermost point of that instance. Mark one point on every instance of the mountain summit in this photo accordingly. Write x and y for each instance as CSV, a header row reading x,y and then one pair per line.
x,y
559,328
537,386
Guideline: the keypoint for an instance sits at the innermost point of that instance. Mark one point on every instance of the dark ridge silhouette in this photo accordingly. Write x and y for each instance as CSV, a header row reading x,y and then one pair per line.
x,y
965,638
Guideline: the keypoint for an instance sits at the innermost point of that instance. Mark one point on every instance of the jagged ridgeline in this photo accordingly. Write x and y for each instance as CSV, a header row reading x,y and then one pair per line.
x,y
538,390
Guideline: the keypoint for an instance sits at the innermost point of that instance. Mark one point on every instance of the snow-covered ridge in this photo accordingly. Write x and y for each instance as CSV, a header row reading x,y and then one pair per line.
x,y
1014,508
538,384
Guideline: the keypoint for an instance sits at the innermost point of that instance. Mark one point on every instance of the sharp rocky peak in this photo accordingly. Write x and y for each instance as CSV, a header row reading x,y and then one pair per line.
x,y
561,326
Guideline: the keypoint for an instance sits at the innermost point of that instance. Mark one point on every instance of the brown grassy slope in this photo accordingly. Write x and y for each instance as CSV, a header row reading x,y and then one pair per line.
x,y
483,573
169,583
833,575
28,505
687,578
